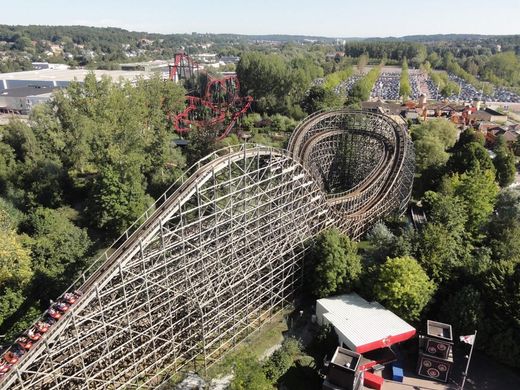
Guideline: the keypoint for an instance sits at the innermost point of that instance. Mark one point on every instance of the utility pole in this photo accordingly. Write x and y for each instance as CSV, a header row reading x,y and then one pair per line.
x,y
465,373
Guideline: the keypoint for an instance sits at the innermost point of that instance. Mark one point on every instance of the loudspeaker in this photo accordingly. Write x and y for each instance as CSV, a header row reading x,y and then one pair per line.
x,y
437,348
434,368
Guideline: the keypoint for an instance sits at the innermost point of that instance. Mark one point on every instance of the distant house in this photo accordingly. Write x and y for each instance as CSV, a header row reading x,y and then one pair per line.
x,y
411,114
383,107
206,58
230,59
488,115
56,49
509,136
484,126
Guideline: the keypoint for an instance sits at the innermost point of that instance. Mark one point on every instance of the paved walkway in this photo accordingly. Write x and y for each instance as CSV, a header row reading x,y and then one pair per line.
x,y
416,384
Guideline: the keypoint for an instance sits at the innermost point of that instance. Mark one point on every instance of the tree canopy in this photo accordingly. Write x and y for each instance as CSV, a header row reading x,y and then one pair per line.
x,y
403,287
333,264
504,163
277,84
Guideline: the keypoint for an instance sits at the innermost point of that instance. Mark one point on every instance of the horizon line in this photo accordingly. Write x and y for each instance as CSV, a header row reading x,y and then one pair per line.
x,y
261,34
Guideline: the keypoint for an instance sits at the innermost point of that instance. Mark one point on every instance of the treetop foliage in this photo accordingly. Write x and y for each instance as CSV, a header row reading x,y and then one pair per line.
x,y
276,83
403,287
93,157
432,140
361,90
333,264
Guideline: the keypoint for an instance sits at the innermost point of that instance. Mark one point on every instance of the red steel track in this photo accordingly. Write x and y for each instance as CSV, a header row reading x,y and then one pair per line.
x,y
221,103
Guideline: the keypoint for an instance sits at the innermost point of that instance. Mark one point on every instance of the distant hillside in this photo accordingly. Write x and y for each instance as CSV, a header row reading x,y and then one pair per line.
x,y
443,37
82,33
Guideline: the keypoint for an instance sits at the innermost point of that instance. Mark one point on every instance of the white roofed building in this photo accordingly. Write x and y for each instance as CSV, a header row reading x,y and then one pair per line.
x,y
62,77
362,326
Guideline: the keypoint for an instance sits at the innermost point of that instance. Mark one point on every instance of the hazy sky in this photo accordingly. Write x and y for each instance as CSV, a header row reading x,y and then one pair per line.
x,y
333,18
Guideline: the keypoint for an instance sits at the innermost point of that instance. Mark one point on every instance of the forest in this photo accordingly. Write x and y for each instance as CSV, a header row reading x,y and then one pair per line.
x,y
76,176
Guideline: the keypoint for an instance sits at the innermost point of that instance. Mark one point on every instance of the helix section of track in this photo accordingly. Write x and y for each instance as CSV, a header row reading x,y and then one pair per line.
x,y
219,254
363,162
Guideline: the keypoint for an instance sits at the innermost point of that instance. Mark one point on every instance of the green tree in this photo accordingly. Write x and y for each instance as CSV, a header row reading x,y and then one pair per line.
x,y
201,143
469,154
20,137
432,139
501,288
44,183
15,268
333,263
15,258
445,131
443,244
440,252
281,359
117,197
429,153
445,210
504,229
11,299
507,246
463,310
403,287
22,43
319,98
59,251
333,80
478,191
381,241
362,63
7,167
434,59
361,90
277,84
404,86
504,163
324,343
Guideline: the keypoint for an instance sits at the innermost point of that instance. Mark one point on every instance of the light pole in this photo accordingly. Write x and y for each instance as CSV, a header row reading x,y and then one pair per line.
x,y
465,373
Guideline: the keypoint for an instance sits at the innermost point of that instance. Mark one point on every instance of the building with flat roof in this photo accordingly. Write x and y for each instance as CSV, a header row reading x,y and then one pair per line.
x,y
22,100
146,66
362,326
47,65
62,77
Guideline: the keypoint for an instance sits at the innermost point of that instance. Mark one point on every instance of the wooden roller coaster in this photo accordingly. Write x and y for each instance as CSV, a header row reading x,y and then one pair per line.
x,y
215,257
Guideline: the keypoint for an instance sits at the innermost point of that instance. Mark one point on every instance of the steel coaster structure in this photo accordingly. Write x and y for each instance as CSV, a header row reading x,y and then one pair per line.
x,y
218,254
183,67
220,105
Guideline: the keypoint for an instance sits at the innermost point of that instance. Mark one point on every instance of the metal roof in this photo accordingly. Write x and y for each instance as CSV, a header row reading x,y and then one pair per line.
x,y
70,74
365,325
26,91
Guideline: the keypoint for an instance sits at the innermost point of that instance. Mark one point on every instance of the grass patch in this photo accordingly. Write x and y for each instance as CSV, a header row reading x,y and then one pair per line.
x,y
270,334
364,245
